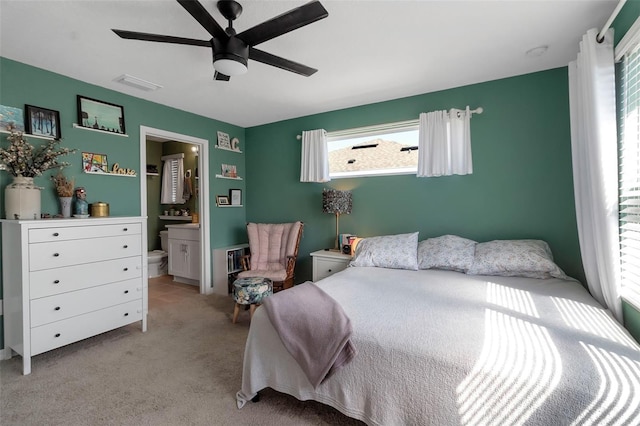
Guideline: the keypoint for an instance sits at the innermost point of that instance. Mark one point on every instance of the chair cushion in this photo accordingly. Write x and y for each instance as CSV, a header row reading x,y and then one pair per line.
x,y
270,244
279,275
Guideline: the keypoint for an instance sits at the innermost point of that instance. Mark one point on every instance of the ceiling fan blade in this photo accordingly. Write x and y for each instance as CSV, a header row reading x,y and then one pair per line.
x,y
277,61
132,35
204,18
288,21
221,77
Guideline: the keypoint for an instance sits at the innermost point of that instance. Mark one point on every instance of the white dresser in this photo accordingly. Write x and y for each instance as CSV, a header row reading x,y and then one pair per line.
x,y
68,279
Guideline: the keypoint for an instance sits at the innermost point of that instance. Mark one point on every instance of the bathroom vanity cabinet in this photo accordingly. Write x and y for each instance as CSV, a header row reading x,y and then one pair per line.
x,y
184,253
65,280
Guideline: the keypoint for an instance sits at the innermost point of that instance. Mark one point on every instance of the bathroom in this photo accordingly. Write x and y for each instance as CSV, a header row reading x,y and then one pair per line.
x,y
172,227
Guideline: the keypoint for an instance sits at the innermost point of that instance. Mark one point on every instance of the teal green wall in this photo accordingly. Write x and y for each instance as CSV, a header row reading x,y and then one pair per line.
x,y
21,84
621,25
521,187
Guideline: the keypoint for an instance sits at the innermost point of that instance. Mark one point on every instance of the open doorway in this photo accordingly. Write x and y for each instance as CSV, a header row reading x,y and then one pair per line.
x,y
159,135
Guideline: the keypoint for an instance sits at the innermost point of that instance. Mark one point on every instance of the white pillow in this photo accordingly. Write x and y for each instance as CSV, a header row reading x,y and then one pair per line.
x,y
515,258
389,251
448,252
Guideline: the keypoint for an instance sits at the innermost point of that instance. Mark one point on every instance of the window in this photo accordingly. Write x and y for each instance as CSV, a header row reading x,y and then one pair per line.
x,y
373,151
172,180
630,178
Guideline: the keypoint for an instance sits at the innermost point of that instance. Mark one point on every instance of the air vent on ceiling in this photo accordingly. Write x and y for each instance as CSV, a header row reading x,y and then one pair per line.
x,y
138,83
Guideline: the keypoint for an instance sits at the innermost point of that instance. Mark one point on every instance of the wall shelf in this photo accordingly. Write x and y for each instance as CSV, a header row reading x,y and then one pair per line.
x,y
109,174
230,205
228,149
153,174
228,177
77,126
182,218
29,135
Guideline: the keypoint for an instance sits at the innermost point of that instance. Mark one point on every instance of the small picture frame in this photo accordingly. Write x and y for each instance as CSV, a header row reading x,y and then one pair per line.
x,y
11,119
222,200
94,163
99,115
42,121
229,170
223,140
235,195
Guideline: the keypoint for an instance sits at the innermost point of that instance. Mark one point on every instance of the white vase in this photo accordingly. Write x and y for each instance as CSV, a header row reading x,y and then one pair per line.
x,y
22,199
65,206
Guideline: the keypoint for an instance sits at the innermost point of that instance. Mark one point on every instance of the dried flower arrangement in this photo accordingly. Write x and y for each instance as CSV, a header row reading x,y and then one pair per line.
x,y
64,186
23,159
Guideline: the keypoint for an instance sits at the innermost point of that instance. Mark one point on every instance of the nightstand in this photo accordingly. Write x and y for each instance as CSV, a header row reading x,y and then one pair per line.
x,y
327,263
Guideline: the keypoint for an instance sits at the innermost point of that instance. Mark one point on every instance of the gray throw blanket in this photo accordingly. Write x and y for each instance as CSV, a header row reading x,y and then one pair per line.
x,y
314,329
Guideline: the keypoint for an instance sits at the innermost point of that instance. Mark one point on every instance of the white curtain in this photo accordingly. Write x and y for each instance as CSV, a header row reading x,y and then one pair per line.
x,y
314,163
595,166
445,143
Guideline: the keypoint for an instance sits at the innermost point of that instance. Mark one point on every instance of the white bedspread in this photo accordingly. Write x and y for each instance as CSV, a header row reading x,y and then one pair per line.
x,y
439,347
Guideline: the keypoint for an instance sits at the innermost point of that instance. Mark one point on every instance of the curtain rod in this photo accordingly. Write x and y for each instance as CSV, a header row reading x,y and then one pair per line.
x,y
607,24
389,126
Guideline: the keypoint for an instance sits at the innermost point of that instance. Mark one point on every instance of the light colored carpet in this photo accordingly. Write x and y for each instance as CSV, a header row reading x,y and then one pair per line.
x,y
185,370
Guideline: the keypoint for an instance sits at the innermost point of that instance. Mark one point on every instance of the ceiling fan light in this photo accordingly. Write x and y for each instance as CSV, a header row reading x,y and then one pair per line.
x,y
230,66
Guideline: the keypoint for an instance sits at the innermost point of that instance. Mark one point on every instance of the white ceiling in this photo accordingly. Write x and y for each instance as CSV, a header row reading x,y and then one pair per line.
x,y
366,51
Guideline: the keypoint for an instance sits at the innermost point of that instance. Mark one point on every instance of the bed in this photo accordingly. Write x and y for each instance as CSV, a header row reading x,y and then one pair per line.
x,y
445,347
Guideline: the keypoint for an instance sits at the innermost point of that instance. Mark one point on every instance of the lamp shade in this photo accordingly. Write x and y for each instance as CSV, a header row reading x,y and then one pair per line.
x,y
336,201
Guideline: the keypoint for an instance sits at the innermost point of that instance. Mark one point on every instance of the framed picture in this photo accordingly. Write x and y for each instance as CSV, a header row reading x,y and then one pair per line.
x,y
11,118
94,163
235,195
99,115
42,122
223,140
229,170
222,200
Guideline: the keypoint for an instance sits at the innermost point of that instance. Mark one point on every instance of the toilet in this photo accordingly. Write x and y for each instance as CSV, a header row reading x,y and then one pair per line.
x,y
157,259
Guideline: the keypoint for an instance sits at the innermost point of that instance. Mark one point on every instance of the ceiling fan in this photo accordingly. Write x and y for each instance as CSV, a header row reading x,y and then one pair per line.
x,y
231,51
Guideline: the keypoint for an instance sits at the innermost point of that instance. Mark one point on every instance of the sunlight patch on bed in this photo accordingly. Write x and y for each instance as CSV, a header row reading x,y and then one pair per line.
x,y
592,320
511,298
617,402
518,368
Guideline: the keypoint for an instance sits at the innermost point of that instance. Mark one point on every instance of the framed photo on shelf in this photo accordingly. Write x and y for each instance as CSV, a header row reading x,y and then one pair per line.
x,y
235,195
94,163
99,115
222,200
42,122
11,118
223,140
229,170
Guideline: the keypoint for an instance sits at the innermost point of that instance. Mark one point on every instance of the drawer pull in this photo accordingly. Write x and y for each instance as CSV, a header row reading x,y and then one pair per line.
x,y
126,292
125,229
57,308
126,314
55,234
126,246
126,269
56,254
329,270
56,282
57,335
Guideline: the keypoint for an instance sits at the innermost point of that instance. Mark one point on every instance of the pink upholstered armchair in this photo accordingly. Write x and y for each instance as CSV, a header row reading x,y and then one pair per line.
x,y
274,250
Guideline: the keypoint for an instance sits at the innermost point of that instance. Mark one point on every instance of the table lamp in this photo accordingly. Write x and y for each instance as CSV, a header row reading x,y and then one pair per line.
x,y
336,202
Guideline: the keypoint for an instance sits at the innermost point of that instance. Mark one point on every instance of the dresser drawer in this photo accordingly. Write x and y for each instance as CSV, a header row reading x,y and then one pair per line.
x,y
326,267
62,233
73,252
71,278
67,305
56,334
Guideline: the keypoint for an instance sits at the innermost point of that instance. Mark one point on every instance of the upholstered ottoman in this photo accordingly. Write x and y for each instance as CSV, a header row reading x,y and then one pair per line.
x,y
250,291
